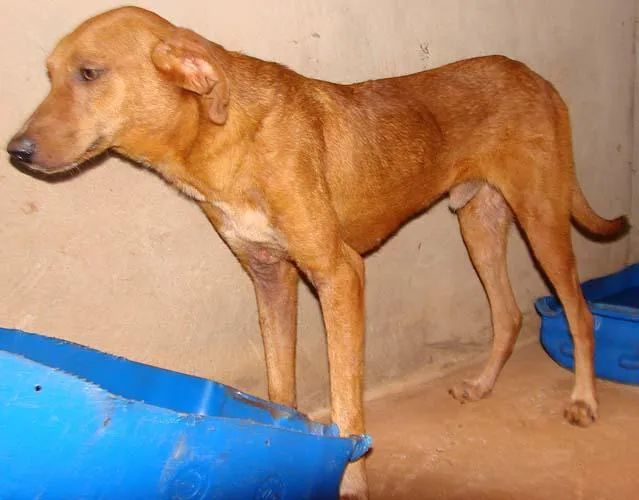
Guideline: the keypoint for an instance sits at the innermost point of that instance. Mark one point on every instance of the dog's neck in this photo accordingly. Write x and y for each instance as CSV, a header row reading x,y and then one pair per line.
x,y
199,156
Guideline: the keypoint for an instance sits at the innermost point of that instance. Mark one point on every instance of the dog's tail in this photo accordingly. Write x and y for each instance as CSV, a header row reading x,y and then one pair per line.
x,y
589,220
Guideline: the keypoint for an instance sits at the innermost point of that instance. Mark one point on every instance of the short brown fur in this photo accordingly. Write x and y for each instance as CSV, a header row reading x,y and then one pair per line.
x,y
301,174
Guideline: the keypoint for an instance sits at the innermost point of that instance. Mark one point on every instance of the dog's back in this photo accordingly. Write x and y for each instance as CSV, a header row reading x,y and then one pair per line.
x,y
393,146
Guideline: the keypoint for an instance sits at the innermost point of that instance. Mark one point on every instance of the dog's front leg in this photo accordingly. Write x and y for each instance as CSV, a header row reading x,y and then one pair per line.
x,y
275,285
341,292
275,281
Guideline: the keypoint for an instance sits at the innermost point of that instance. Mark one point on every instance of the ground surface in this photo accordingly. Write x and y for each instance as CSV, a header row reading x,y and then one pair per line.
x,y
513,445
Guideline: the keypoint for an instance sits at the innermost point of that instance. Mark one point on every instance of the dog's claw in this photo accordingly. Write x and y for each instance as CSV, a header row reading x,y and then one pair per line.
x,y
580,413
467,391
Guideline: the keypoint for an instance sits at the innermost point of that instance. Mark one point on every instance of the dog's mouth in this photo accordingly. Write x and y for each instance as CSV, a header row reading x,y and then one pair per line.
x,y
97,147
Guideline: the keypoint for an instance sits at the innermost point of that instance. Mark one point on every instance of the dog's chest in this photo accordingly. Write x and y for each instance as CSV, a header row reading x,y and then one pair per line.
x,y
241,226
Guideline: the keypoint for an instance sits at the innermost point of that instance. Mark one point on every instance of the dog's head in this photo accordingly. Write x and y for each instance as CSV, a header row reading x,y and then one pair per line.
x,y
124,80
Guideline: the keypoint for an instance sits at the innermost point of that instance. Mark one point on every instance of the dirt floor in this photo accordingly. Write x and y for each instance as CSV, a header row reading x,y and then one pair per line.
x,y
512,445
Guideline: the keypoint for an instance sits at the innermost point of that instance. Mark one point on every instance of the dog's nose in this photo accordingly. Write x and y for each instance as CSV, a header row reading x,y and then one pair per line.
x,y
22,148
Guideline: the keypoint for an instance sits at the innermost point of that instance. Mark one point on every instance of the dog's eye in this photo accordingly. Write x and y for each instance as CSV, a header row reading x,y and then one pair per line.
x,y
90,74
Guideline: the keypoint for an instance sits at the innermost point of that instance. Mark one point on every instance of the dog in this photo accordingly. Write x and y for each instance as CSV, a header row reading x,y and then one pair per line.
x,y
305,176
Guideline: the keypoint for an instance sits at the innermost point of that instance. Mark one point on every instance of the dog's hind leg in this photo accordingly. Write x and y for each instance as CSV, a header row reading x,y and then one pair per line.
x,y
484,221
547,226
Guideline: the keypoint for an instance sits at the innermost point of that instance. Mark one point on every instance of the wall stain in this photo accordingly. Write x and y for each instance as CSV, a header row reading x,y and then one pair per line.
x,y
424,53
30,208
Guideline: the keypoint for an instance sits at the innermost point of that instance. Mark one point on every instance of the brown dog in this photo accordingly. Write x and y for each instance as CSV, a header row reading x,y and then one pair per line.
x,y
300,174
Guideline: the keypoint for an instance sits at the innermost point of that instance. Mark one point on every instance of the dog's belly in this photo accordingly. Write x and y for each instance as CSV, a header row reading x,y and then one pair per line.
x,y
368,219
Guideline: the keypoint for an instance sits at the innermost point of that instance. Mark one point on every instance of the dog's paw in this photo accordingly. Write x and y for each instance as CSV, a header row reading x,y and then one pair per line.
x,y
353,496
580,413
467,391
354,485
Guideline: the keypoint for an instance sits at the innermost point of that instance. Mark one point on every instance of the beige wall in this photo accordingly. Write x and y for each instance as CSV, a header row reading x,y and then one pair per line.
x,y
633,249
117,260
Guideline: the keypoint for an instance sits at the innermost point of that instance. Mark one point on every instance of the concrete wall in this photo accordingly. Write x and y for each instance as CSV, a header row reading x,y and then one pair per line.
x,y
633,248
117,260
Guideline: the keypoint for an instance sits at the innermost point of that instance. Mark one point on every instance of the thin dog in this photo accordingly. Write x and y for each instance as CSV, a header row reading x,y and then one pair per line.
x,y
302,175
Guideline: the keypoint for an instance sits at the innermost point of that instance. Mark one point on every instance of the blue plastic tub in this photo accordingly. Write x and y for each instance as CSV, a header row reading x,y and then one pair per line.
x,y
614,302
78,423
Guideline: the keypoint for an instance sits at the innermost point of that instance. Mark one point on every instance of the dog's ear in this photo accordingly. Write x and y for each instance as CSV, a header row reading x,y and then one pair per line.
x,y
185,58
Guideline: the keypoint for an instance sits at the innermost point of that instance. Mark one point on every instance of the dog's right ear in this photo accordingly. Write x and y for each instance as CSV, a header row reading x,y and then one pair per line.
x,y
186,60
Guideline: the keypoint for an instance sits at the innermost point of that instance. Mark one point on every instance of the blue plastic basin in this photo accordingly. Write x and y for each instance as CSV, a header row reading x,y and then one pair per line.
x,y
78,423
614,302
